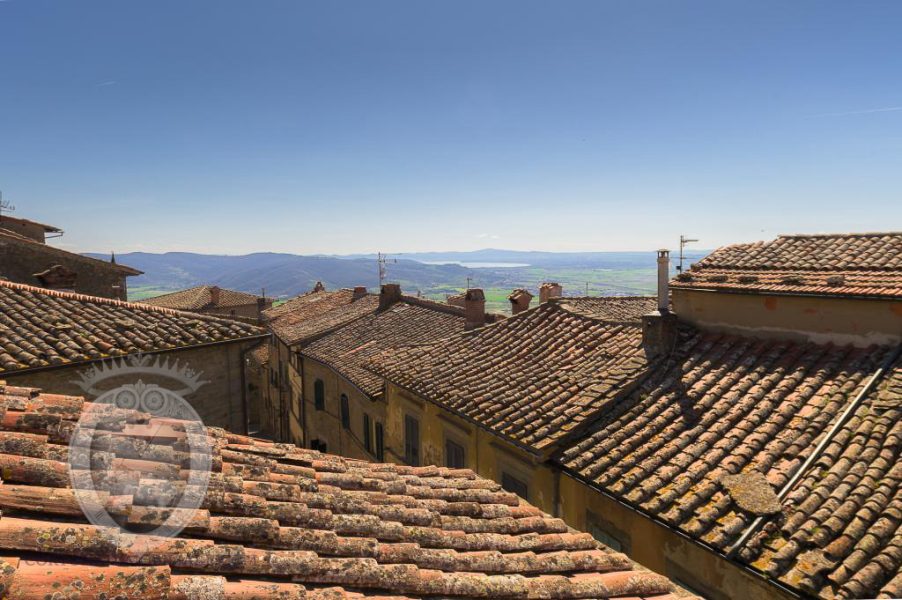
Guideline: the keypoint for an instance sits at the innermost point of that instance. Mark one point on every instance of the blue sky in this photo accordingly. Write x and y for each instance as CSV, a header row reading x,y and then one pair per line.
x,y
231,127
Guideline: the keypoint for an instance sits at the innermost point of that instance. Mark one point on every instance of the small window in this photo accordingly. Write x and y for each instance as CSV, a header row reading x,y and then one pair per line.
x,y
454,455
367,436
607,539
607,533
345,412
380,442
411,441
315,444
514,485
319,395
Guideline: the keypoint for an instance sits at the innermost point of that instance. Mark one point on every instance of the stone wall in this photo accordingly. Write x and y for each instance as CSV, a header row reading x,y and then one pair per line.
x,y
219,402
20,260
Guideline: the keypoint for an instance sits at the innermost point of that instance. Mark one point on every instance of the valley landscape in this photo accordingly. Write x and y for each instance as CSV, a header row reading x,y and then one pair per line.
x,y
433,275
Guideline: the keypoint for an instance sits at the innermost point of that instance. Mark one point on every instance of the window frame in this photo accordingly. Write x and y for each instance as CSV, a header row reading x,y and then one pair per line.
x,y
448,455
367,433
319,394
509,479
411,447
380,441
345,410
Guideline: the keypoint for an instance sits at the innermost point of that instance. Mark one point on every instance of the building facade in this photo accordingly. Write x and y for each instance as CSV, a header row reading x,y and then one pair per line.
x,y
66,341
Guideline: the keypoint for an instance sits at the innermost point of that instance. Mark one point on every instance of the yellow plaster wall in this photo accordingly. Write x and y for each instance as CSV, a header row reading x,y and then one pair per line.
x,y
325,425
662,549
819,319
486,453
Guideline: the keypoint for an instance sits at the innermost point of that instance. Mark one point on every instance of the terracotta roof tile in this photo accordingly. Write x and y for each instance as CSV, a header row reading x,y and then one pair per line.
x,y
843,264
706,443
40,328
200,297
349,348
535,377
344,529
314,313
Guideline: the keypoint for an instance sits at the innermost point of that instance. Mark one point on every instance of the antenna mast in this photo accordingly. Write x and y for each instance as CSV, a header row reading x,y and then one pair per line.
x,y
684,241
381,260
5,205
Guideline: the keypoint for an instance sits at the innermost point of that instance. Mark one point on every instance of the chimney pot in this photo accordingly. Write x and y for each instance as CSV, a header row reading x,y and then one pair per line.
x,y
474,308
519,300
359,292
214,295
663,281
550,290
319,287
388,295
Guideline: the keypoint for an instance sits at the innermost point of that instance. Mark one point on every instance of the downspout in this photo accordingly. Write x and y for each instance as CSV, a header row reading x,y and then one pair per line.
x,y
758,523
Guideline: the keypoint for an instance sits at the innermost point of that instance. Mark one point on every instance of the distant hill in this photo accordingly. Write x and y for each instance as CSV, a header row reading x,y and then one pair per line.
x,y
285,275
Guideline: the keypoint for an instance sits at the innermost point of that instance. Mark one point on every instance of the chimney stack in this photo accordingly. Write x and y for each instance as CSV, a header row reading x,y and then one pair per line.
x,y
659,329
214,295
663,281
359,292
549,290
474,308
388,295
519,300
319,287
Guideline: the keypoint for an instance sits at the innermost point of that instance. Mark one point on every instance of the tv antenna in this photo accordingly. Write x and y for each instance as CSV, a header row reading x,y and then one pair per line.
x,y
382,260
684,241
5,205
469,281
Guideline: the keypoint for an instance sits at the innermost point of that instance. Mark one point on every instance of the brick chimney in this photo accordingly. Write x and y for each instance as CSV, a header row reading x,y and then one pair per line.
x,y
214,295
359,292
474,308
388,295
319,287
659,329
549,290
519,300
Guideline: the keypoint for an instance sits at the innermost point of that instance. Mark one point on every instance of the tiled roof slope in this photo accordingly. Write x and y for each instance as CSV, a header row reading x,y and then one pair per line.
x,y
532,378
278,521
867,264
314,313
728,406
5,234
349,348
200,297
615,309
841,531
40,328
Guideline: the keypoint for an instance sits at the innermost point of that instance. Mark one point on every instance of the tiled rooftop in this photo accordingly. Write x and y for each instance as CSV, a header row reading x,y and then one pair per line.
x,y
277,521
200,297
40,328
708,441
412,321
844,264
532,378
315,313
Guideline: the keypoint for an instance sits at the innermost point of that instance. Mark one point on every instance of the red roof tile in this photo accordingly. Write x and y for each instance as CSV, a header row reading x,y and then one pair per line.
x,y
314,313
534,377
200,297
706,442
40,327
280,521
868,264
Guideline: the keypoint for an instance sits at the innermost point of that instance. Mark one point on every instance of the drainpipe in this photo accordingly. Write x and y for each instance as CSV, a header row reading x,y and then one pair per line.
x,y
758,523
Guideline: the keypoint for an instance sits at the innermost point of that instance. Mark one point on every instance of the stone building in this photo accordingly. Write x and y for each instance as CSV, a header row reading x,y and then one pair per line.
x,y
51,339
213,300
743,439
26,258
278,521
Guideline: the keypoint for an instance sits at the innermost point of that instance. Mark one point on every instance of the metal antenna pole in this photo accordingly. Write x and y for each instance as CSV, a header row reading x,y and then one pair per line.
x,y
684,241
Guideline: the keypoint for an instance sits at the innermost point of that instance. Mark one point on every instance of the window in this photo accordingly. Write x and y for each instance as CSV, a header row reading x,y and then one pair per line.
x,y
607,533
367,436
345,412
380,442
411,441
317,445
319,395
514,485
454,455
